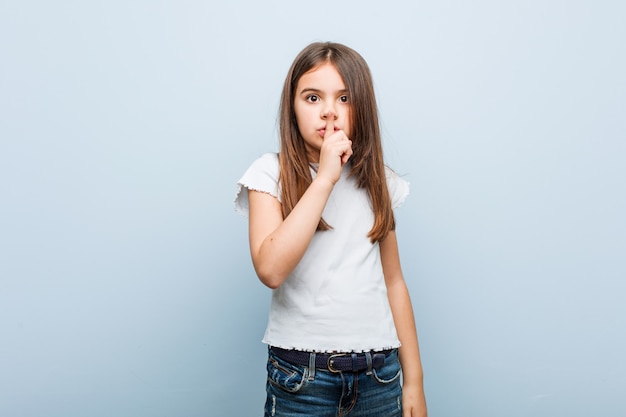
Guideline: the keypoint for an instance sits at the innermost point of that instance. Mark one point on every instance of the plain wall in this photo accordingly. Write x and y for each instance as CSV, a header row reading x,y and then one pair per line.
x,y
126,287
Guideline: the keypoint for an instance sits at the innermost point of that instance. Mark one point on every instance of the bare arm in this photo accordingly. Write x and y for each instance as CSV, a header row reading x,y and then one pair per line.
x,y
413,399
277,245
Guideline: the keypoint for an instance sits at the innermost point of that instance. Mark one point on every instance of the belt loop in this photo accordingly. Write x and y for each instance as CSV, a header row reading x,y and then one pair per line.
x,y
311,366
368,358
355,365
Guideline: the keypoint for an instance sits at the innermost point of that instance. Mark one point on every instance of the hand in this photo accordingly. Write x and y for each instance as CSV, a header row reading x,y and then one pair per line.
x,y
413,402
335,152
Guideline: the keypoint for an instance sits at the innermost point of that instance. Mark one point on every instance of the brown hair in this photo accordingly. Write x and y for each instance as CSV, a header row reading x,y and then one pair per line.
x,y
367,164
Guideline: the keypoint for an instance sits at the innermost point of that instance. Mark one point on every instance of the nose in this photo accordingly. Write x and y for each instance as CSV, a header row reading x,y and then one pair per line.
x,y
328,113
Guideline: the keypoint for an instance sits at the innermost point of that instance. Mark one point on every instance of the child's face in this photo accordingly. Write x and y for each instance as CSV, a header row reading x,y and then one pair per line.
x,y
321,93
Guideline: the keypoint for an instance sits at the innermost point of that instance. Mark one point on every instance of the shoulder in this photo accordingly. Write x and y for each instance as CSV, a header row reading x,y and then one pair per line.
x,y
263,168
398,187
267,161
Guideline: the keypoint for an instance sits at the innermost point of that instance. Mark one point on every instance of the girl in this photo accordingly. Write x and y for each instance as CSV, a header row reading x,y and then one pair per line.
x,y
322,236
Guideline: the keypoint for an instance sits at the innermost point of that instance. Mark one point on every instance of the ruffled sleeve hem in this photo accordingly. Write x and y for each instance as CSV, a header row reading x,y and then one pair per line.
x,y
399,188
261,176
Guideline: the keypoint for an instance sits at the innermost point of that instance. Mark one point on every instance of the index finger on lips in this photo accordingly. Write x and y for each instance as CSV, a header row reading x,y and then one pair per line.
x,y
330,125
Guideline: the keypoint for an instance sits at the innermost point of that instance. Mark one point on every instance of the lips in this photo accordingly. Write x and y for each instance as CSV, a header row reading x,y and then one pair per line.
x,y
323,130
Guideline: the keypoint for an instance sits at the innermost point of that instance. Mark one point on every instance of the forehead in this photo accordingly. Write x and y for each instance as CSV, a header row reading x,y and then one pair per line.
x,y
322,77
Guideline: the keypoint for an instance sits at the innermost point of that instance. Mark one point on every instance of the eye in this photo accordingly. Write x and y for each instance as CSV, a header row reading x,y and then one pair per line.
x,y
343,99
312,98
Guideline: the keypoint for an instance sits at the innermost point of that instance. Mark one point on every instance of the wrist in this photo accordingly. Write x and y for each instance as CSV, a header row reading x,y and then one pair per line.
x,y
323,182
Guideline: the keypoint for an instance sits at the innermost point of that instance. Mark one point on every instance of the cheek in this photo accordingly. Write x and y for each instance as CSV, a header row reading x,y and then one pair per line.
x,y
303,118
300,122
347,125
299,118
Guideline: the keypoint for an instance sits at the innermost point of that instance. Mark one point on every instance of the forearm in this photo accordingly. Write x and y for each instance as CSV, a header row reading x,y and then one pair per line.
x,y
413,397
282,249
404,320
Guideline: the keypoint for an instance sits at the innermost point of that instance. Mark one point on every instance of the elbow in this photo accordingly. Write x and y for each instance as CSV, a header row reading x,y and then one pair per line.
x,y
270,277
271,284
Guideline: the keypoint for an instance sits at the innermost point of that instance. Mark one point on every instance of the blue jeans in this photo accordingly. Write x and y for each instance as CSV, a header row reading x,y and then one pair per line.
x,y
298,391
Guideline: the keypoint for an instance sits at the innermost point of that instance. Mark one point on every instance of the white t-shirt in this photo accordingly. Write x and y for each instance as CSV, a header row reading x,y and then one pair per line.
x,y
335,300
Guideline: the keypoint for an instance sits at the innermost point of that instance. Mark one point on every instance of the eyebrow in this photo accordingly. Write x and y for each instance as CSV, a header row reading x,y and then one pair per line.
x,y
315,90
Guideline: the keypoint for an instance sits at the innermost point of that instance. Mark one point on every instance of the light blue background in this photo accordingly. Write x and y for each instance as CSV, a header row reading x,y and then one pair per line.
x,y
126,287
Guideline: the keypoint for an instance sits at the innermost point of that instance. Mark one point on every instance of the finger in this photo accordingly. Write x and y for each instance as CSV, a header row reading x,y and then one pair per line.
x,y
347,154
330,125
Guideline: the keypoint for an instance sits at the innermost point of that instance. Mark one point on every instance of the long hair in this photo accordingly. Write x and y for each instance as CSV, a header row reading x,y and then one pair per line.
x,y
367,164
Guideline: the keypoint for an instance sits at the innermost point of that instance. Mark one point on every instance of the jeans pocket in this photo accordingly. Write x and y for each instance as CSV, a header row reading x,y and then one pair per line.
x,y
285,375
389,372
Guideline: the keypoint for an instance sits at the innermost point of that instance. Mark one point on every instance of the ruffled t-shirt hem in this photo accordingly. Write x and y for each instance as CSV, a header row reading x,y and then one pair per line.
x,y
332,350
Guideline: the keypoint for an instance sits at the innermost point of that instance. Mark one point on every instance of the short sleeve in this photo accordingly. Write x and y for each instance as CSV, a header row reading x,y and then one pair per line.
x,y
261,176
398,188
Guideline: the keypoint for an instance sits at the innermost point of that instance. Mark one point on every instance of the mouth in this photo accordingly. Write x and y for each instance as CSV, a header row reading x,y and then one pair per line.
x,y
322,131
